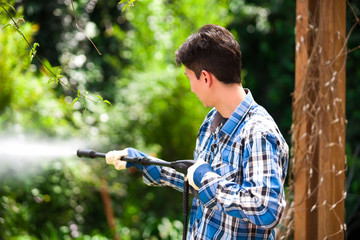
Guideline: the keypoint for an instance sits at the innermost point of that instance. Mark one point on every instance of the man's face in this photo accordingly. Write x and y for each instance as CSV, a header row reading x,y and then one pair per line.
x,y
197,85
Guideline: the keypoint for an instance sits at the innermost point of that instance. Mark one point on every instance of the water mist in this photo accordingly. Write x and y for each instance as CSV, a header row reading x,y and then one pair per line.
x,y
22,154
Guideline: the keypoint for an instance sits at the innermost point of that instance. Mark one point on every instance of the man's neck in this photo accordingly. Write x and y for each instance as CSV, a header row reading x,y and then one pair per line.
x,y
229,98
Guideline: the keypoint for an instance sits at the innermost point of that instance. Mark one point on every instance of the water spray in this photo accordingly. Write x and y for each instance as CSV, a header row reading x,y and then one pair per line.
x,y
22,155
179,165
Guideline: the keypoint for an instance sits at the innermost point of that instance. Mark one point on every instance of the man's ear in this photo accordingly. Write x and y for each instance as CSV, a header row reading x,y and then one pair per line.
x,y
208,77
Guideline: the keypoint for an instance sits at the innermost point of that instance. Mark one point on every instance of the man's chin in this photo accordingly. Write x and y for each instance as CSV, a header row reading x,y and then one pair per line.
x,y
207,105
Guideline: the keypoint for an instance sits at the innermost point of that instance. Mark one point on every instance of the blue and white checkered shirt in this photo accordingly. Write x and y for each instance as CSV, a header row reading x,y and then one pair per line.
x,y
243,197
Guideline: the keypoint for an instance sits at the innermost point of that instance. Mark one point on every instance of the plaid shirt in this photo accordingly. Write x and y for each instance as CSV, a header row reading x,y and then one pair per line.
x,y
243,198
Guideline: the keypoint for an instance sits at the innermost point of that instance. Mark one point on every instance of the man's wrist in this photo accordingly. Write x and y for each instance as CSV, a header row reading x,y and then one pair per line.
x,y
200,173
132,152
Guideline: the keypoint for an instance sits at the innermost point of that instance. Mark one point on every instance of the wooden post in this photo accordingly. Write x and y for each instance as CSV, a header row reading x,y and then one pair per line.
x,y
319,119
109,211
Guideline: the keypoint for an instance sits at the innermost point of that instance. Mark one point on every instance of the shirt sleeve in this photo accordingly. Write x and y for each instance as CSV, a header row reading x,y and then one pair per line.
x,y
156,175
258,196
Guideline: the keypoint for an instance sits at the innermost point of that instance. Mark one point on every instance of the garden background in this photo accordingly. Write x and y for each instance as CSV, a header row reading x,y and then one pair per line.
x,y
46,192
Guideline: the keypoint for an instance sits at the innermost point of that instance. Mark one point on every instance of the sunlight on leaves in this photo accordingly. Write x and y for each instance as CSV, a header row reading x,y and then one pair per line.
x,y
33,51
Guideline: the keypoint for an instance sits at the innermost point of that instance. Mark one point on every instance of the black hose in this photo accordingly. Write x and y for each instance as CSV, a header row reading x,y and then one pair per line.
x,y
185,206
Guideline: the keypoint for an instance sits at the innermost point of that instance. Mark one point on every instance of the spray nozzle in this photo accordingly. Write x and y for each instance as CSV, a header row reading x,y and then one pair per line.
x,y
89,153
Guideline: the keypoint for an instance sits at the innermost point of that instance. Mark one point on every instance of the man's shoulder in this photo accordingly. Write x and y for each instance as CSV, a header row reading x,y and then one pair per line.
x,y
258,120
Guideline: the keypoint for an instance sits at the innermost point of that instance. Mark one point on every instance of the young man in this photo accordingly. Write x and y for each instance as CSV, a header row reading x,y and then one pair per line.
x,y
241,156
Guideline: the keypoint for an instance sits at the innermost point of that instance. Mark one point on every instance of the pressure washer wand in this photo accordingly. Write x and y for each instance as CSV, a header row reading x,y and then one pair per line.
x,y
179,165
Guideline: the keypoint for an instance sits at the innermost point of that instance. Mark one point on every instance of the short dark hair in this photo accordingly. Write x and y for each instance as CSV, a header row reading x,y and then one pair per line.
x,y
214,49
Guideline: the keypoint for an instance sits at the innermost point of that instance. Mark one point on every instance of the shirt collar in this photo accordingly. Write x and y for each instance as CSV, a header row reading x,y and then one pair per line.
x,y
218,118
238,115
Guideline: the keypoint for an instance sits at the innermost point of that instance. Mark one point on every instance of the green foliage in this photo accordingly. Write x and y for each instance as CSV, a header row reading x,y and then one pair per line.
x,y
101,98
24,93
57,77
152,107
147,91
54,77
7,5
59,195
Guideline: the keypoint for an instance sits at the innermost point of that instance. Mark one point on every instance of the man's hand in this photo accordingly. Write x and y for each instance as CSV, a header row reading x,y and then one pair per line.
x,y
113,158
196,172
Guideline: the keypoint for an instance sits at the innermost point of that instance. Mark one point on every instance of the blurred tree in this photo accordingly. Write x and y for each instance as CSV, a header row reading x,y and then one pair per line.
x,y
266,38
153,108
27,100
139,58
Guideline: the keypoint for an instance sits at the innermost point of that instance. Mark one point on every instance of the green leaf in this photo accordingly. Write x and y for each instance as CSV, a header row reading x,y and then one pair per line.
x,y
5,26
58,75
125,7
75,100
36,45
33,51
100,97
78,93
4,4
55,78
106,101
129,3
